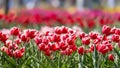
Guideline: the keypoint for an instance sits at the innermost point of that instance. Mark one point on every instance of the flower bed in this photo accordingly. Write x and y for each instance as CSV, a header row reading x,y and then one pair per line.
x,y
60,47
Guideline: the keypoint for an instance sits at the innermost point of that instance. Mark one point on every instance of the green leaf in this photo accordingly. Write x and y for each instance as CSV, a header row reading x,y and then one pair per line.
x,y
9,60
117,52
95,57
78,42
53,65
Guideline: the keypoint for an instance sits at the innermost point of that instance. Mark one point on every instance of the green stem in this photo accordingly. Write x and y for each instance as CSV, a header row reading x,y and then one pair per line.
x,y
59,59
80,62
95,57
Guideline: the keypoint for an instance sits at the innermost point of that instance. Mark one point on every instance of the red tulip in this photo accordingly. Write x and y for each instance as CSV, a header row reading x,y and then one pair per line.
x,y
82,35
111,57
115,38
24,38
17,41
81,50
54,47
63,46
93,35
18,54
30,33
86,40
38,40
41,46
106,30
15,31
48,52
58,30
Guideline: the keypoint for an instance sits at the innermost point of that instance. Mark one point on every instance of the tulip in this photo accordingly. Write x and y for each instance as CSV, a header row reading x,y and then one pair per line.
x,y
111,57
81,50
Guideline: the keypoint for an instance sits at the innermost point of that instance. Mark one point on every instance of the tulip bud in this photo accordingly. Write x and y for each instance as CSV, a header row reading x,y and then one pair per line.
x,y
81,50
111,57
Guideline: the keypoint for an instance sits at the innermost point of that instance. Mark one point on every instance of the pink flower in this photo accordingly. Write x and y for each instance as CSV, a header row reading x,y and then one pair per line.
x,y
46,28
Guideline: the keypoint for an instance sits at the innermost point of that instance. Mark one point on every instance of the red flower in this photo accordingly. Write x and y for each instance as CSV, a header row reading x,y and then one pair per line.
x,y
22,49
62,45
113,30
48,52
17,41
86,41
91,48
73,47
54,47
115,38
111,57
93,35
24,38
38,40
64,29
15,31
45,40
69,51
30,33
3,37
58,30
70,41
90,23
102,21
117,31
9,52
102,48
96,41
3,49
82,35
81,50
110,47
18,53
56,38
106,30
13,46
80,22
41,46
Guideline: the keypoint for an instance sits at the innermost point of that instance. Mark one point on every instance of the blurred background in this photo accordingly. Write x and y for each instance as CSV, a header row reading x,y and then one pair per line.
x,y
70,5
87,14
